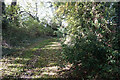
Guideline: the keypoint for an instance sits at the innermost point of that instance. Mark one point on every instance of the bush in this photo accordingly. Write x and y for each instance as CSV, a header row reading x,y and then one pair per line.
x,y
91,44
93,58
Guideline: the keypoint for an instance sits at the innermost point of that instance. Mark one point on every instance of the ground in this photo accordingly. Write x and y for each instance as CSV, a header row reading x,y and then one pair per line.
x,y
41,59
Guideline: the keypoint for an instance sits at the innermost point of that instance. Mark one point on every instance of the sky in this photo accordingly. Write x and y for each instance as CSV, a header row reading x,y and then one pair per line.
x,y
43,11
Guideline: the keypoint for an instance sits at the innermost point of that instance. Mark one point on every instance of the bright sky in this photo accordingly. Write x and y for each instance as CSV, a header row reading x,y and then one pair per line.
x,y
42,8
43,11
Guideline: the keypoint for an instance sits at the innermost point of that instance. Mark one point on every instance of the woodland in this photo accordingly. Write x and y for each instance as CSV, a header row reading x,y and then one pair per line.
x,y
81,40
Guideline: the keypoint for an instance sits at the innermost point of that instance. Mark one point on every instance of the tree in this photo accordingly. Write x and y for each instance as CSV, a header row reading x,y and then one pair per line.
x,y
92,37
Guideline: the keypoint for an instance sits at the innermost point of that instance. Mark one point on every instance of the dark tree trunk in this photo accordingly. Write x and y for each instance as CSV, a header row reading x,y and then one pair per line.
x,y
14,3
3,7
14,18
4,21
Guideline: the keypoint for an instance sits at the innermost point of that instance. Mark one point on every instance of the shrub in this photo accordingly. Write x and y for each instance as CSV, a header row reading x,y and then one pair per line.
x,y
92,46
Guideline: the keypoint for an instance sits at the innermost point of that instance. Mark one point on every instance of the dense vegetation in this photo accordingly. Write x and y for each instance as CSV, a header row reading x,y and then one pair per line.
x,y
19,27
90,41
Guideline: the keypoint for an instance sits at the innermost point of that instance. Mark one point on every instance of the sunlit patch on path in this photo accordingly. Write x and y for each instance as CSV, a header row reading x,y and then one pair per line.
x,y
42,60
54,45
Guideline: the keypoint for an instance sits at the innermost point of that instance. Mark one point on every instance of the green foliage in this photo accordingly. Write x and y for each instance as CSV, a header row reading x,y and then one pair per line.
x,y
34,60
61,32
19,27
92,34
95,58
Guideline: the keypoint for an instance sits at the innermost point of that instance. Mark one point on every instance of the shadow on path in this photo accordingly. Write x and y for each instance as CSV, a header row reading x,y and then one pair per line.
x,y
41,60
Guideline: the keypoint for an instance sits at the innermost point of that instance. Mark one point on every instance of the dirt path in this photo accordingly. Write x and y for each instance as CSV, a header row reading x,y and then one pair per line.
x,y
40,60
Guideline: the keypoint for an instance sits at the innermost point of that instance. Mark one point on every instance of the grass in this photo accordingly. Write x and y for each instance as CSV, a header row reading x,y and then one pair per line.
x,y
42,59
22,46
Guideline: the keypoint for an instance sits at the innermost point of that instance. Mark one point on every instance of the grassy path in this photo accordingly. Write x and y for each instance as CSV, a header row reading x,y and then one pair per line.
x,y
42,59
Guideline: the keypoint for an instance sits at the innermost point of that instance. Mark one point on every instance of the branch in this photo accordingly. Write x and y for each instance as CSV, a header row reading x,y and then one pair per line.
x,y
30,15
